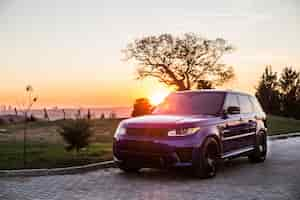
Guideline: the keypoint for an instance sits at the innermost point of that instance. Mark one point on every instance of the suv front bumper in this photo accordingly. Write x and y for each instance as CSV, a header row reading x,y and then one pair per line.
x,y
158,154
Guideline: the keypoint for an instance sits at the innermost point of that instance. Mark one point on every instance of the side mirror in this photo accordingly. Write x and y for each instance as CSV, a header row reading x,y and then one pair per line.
x,y
233,110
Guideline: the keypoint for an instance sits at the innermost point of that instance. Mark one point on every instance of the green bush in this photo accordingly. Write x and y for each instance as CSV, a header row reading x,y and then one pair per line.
x,y
76,133
2,121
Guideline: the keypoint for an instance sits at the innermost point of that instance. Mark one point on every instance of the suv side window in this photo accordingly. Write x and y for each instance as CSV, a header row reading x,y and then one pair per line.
x,y
246,105
231,100
256,105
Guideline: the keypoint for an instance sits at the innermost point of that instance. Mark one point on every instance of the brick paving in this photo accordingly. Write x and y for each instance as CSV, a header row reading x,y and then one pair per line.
x,y
277,179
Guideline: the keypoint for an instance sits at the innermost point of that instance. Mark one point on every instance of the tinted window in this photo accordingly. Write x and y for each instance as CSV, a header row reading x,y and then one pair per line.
x,y
231,100
192,103
256,105
246,106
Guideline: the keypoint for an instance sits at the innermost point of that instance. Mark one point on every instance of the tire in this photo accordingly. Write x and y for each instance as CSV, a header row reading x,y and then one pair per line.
x,y
128,169
260,152
206,166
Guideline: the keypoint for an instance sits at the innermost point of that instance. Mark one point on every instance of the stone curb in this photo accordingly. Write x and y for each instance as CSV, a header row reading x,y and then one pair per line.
x,y
56,171
90,167
283,136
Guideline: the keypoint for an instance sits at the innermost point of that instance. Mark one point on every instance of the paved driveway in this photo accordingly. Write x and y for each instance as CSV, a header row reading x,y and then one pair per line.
x,y
277,178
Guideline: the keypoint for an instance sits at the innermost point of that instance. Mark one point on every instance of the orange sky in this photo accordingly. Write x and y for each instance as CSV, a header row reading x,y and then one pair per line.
x,y
70,51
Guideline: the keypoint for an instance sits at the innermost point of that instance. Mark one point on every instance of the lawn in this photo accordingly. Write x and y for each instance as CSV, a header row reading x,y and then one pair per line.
x,y
44,155
282,125
45,148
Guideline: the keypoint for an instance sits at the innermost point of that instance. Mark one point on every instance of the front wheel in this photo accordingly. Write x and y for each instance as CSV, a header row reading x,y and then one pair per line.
x,y
206,167
260,152
128,169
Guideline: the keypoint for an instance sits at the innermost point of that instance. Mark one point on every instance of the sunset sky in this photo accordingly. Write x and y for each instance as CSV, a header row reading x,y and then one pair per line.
x,y
70,50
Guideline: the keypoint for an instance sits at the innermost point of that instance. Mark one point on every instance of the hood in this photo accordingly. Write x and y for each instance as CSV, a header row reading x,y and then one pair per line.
x,y
166,121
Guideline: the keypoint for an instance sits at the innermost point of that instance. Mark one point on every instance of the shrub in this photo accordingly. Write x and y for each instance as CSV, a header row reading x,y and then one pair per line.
x,y
2,121
141,107
102,116
11,120
76,133
32,118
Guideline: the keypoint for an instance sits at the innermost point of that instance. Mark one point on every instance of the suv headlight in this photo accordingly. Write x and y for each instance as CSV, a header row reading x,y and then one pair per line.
x,y
120,131
183,131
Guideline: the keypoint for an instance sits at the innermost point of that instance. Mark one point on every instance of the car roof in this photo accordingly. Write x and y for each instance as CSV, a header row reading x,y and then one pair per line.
x,y
215,90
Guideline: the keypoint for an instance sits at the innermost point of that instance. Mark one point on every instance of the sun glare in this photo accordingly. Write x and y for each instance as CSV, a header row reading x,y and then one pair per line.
x,y
158,96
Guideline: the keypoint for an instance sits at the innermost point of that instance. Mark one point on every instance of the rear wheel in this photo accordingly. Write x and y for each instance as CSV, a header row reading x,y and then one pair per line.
x,y
206,167
260,152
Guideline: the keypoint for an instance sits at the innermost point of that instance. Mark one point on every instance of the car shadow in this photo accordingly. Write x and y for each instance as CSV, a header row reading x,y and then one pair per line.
x,y
225,168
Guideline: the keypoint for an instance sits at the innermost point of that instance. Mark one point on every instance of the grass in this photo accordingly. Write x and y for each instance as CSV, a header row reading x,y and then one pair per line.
x,y
282,125
50,155
45,147
31,125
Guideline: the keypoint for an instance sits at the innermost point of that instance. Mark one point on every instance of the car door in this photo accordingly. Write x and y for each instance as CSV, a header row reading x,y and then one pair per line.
x,y
233,126
248,122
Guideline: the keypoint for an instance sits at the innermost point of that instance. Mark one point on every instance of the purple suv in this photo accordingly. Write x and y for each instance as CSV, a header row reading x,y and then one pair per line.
x,y
193,129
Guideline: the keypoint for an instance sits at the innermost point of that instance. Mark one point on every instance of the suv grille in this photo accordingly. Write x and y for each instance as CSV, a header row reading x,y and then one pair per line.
x,y
151,132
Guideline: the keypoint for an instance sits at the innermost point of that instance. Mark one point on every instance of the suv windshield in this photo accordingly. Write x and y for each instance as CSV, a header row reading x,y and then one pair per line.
x,y
192,103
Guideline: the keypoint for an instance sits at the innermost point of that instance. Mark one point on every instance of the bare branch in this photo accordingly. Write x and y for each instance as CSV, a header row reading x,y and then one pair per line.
x,y
181,61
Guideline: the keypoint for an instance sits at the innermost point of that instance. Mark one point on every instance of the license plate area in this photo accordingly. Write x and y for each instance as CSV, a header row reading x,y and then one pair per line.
x,y
142,147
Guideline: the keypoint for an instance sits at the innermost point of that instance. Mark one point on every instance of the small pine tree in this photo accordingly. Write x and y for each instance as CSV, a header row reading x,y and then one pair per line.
x,y
76,133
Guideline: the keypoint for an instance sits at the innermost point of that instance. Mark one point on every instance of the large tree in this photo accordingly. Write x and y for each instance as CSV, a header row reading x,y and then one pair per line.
x,y
290,89
289,81
267,91
185,62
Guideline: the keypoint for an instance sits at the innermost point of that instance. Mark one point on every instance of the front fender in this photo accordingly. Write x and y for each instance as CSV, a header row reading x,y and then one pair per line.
x,y
202,137
206,132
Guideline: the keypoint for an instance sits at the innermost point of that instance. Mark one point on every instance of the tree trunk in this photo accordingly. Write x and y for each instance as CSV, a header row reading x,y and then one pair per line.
x,y
180,85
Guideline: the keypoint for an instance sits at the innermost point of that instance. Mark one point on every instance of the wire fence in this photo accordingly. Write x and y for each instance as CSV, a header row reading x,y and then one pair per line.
x,y
67,113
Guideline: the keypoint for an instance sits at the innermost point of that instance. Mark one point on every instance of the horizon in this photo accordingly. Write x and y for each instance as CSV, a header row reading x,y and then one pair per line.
x,y
70,52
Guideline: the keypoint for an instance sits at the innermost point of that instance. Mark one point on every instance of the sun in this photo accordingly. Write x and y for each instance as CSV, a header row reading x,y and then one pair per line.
x,y
158,96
